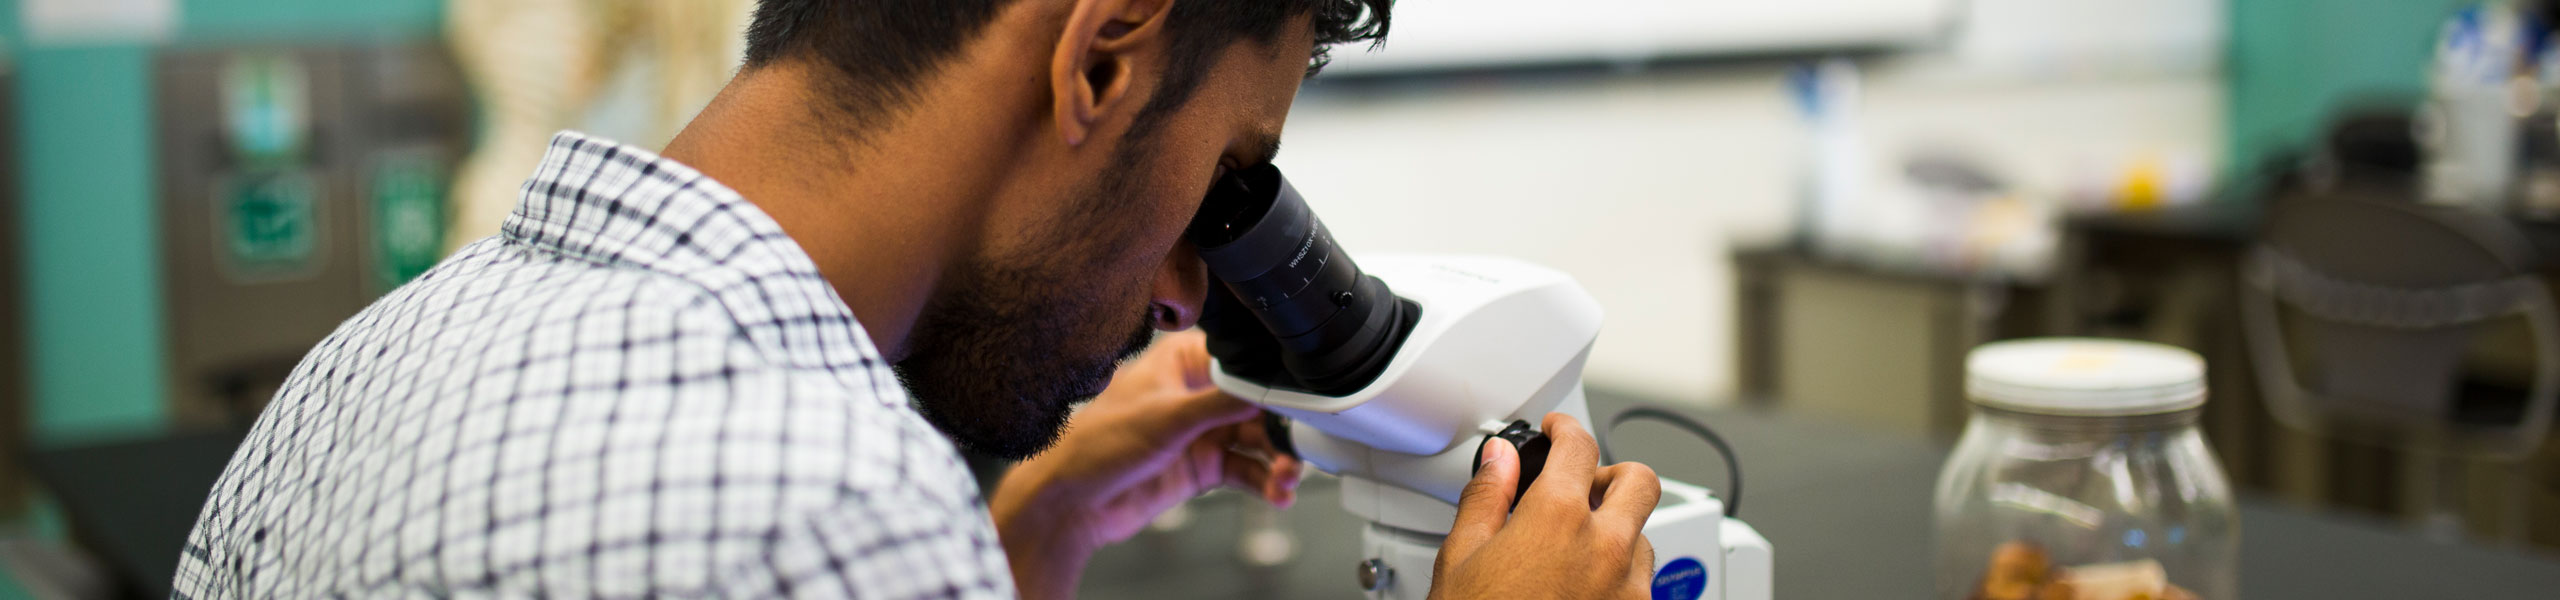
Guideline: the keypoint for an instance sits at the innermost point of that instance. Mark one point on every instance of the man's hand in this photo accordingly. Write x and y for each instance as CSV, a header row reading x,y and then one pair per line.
x,y
1159,435
1579,533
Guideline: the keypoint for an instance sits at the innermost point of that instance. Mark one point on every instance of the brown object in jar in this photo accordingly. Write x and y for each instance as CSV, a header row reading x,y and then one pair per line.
x,y
2017,570
2021,570
2129,580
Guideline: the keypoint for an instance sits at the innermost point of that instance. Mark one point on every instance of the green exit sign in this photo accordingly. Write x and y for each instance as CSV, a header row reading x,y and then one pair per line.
x,y
269,224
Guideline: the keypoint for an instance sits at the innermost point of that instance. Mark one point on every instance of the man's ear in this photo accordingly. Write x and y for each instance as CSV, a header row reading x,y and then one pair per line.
x,y
1096,60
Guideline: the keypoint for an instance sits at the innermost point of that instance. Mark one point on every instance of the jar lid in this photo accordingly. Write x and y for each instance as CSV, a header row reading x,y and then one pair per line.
x,y
2084,377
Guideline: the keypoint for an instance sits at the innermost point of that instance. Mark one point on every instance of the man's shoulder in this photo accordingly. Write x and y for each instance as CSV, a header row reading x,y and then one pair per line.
x,y
498,282
672,491
631,352
514,416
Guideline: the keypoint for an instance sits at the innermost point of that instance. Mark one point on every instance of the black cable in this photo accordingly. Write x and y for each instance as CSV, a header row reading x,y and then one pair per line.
x,y
1732,466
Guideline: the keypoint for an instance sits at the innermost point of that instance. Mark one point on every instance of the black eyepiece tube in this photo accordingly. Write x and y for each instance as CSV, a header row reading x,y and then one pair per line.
x,y
1331,328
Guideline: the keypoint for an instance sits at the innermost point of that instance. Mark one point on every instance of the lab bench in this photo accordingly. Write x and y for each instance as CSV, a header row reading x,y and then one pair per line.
x,y
1847,507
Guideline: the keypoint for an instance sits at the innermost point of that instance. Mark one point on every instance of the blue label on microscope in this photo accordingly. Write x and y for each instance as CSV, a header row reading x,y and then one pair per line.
x,y
1681,579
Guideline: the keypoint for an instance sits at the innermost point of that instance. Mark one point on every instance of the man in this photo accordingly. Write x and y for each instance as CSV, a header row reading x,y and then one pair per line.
x,y
672,374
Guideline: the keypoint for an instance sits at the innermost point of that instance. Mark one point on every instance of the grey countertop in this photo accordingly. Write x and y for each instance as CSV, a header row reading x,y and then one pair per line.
x,y
1848,512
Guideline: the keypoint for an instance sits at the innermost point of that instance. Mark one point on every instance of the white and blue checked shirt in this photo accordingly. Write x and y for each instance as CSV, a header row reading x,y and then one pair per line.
x,y
640,387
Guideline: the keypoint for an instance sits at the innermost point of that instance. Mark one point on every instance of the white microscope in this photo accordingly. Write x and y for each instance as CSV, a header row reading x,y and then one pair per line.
x,y
1395,390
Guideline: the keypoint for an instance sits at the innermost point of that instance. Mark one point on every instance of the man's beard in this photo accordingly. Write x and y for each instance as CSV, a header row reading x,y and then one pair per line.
x,y
993,366
994,360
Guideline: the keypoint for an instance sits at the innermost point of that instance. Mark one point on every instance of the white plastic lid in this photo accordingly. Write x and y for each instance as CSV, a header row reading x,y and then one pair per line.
x,y
2084,377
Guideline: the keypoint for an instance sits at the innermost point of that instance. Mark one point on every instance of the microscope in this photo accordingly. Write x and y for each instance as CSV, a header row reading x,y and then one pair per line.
x,y
1395,389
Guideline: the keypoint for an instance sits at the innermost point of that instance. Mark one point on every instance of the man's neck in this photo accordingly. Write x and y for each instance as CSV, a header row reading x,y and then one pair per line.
x,y
882,217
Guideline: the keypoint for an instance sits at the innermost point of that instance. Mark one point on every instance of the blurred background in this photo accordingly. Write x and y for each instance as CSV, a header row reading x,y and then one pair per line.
x,y
1808,209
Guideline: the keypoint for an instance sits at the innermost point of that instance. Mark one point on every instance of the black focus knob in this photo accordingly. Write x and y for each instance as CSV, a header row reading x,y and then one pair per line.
x,y
1276,428
1533,454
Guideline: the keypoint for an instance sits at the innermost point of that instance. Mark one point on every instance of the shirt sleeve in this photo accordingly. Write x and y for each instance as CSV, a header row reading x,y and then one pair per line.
x,y
889,544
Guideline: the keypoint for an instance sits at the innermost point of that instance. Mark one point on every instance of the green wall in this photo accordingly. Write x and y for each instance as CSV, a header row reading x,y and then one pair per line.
x,y
90,241
92,280
87,183
2293,61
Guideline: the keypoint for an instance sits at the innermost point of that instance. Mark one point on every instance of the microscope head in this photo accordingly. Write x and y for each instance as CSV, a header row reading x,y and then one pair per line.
x,y
1392,388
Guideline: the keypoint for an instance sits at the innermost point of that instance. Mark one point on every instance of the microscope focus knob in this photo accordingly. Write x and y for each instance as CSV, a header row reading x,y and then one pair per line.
x,y
1533,448
1374,575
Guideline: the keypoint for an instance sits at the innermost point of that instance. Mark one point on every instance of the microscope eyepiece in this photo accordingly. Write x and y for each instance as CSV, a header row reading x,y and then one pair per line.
x,y
1317,323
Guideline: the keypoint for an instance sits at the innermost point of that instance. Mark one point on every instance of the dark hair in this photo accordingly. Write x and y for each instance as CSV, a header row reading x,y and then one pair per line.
x,y
884,47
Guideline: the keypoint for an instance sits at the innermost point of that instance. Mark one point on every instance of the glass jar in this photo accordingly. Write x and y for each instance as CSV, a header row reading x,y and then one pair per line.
x,y
2081,476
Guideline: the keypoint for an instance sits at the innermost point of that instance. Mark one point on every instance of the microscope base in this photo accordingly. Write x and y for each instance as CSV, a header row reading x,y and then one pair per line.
x,y
1699,554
